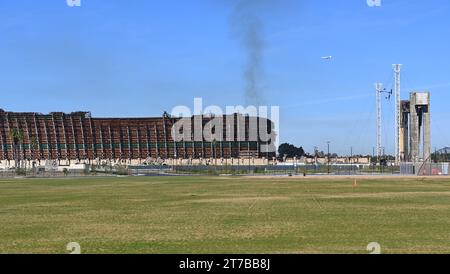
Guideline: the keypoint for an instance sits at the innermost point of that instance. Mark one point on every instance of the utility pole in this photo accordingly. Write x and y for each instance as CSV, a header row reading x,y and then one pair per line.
x,y
328,146
351,158
373,156
397,70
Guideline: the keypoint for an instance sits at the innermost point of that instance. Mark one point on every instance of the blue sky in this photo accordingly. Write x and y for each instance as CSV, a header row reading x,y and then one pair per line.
x,y
141,57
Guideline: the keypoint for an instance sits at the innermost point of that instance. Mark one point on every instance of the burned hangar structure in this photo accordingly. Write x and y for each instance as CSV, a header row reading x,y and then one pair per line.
x,y
79,136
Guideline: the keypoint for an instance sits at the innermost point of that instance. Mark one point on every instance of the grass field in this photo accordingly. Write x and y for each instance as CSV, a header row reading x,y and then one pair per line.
x,y
224,215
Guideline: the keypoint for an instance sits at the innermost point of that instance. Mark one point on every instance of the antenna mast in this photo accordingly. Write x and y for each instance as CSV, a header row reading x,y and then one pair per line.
x,y
378,87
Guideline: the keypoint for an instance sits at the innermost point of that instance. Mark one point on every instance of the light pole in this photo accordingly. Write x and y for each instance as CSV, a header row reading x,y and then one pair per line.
x,y
328,152
351,158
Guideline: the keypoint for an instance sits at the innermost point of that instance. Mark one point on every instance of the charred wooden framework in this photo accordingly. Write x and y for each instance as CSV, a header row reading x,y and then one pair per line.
x,y
78,136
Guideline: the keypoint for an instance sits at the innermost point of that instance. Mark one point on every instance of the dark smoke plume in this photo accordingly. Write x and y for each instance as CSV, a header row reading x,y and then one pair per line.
x,y
248,28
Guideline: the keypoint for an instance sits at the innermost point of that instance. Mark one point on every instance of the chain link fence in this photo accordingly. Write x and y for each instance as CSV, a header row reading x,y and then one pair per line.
x,y
262,170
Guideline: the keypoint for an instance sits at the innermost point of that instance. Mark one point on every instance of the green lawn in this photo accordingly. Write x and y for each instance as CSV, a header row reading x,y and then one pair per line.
x,y
224,215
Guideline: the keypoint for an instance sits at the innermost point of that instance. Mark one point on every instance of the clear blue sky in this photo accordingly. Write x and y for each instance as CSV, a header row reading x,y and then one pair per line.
x,y
141,57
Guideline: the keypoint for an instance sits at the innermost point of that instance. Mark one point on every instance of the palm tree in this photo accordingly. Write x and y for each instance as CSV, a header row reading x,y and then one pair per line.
x,y
34,145
17,137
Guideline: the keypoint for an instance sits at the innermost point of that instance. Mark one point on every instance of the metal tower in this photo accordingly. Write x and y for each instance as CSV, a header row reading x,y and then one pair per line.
x,y
379,88
397,70
379,91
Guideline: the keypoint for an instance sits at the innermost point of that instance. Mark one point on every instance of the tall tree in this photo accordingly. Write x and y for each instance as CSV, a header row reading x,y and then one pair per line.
x,y
17,138
290,151
34,146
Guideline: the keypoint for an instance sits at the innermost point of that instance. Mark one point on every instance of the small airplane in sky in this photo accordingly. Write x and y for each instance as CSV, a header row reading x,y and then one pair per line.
x,y
327,58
